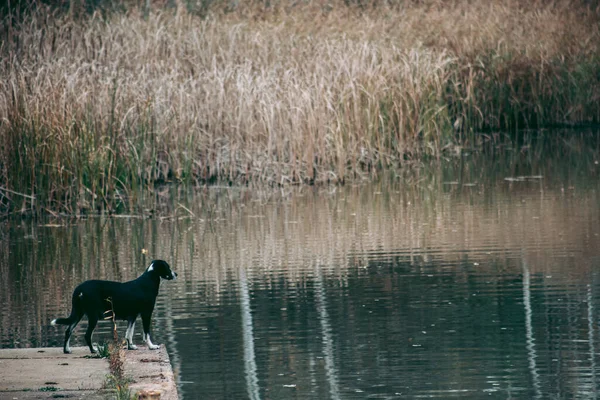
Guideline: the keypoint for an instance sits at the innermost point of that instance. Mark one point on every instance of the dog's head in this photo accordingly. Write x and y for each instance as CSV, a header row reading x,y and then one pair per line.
x,y
162,269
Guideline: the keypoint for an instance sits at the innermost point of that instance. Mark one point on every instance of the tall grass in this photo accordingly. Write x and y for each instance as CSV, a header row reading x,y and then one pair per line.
x,y
96,107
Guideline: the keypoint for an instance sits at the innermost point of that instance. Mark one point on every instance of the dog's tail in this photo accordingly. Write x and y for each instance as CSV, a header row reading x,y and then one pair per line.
x,y
63,321
76,311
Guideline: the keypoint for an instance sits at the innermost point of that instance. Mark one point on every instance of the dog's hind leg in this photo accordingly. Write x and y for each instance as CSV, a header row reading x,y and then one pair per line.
x,y
68,333
72,320
92,321
146,317
129,333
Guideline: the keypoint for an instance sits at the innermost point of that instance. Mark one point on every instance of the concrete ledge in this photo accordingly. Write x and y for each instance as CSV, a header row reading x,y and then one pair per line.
x,y
47,372
151,371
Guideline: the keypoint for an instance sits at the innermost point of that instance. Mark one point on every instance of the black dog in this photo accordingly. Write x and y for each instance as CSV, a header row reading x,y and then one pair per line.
x,y
127,300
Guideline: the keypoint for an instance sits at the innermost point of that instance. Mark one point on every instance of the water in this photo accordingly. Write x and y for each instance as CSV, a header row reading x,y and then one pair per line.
x,y
465,282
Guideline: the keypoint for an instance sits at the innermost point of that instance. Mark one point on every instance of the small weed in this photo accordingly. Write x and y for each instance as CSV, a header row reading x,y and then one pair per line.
x,y
121,387
49,389
116,356
103,350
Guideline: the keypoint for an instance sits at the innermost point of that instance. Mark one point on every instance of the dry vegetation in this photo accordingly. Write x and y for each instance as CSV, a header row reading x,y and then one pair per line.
x,y
95,106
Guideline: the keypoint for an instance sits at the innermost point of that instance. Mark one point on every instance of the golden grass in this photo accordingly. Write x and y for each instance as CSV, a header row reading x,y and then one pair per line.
x,y
95,108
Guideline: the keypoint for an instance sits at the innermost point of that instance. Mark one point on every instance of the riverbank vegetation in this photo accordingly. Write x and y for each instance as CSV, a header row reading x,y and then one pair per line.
x,y
97,106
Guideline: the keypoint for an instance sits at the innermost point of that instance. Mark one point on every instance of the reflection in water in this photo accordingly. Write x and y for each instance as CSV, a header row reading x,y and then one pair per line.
x,y
462,284
171,338
248,335
531,354
590,317
326,330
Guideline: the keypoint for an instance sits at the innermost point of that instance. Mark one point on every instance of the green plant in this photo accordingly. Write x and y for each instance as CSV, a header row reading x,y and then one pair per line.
x,y
49,389
120,386
103,350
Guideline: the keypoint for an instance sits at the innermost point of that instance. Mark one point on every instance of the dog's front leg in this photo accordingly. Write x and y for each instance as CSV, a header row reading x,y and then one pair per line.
x,y
146,325
129,334
151,346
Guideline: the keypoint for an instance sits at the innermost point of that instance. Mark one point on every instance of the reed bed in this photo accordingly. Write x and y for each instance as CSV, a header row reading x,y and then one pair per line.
x,y
97,108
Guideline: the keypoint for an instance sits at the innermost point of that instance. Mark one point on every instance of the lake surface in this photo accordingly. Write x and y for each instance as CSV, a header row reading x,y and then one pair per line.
x,y
477,279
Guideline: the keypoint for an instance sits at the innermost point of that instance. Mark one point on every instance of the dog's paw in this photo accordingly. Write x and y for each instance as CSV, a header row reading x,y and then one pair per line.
x,y
67,351
132,347
154,347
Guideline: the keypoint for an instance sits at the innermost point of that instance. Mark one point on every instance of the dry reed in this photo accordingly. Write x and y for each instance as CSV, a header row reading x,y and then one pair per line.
x,y
95,108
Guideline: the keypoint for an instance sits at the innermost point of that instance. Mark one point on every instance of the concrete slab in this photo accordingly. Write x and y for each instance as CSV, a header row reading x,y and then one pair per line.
x,y
151,372
59,394
35,370
49,373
